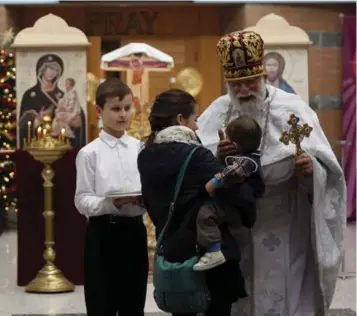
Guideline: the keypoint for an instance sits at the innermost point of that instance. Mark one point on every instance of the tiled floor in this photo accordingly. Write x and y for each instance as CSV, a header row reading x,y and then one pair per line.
x,y
13,300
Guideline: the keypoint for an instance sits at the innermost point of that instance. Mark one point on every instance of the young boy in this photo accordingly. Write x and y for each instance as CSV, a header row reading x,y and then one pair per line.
x,y
115,254
245,168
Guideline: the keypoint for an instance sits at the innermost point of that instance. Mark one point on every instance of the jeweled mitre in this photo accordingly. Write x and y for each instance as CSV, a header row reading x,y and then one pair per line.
x,y
241,54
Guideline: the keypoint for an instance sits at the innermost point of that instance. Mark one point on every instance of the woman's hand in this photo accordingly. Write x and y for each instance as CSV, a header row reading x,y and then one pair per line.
x,y
45,112
28,115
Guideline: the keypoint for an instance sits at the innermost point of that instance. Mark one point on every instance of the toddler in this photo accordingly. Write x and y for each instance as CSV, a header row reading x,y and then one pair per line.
x,y
68,109
242,168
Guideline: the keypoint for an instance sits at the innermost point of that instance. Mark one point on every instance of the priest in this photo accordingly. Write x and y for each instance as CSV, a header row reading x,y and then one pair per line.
x,y
291,257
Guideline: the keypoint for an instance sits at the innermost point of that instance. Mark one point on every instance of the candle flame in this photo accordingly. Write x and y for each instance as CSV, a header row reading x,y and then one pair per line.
x,y
47,118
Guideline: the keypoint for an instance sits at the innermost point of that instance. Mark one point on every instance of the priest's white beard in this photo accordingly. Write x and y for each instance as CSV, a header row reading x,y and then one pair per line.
x,y
254,107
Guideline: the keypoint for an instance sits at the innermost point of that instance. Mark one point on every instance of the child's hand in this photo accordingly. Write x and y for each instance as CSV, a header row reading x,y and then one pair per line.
x,y
210,188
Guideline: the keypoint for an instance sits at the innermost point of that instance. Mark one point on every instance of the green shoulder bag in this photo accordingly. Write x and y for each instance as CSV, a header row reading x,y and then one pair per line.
x,y
178,288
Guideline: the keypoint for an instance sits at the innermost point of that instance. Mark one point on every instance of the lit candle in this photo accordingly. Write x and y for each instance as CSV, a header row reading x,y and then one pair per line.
x,y
39,132
62,140
28,132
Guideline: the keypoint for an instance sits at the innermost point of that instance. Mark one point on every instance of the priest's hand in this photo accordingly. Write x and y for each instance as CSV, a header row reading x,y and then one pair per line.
x,y
304,165
225,147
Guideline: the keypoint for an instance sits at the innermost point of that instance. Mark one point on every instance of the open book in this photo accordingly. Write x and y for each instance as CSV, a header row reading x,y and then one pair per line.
x,y
118,195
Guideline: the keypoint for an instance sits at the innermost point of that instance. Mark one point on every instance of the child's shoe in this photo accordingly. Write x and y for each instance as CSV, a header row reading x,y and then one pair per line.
x,y
209,260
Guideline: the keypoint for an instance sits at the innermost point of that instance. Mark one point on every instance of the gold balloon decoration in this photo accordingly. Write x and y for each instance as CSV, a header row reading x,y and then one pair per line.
x,y
92,85
140,125
190,80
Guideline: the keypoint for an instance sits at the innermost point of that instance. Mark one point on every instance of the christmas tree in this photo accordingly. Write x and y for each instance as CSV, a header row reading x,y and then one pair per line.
x,y
7,134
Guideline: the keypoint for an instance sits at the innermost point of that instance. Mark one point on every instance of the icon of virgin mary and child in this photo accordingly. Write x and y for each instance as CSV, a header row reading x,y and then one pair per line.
x,y
47,99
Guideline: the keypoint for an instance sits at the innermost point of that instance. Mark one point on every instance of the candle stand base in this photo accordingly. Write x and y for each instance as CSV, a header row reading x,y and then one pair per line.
x,y
49,280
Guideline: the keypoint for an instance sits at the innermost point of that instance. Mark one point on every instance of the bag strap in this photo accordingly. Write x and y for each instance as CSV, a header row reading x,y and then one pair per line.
x,y
181,176
178,185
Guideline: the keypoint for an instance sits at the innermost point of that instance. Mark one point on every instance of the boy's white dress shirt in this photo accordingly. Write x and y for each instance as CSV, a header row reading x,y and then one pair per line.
x,y
107,164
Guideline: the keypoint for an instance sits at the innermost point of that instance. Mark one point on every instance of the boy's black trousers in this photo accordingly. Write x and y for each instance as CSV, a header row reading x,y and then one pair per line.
x,y
115,266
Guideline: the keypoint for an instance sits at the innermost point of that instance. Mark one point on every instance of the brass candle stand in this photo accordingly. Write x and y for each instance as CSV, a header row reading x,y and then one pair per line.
x,y
49,279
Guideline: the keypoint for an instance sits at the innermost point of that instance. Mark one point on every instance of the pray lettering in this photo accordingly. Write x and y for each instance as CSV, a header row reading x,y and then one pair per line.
x,y
119,23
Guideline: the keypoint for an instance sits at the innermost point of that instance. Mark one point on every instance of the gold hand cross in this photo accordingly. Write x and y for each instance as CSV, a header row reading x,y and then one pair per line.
x,y
296,134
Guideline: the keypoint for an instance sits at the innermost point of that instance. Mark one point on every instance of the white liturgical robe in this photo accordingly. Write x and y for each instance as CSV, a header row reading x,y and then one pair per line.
x,y
291,257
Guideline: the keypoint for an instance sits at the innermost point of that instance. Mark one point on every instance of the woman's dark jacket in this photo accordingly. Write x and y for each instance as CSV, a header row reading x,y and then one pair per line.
x,y
159,165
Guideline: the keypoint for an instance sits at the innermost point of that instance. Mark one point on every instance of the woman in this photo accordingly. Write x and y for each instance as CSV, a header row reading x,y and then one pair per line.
x,y
158,165
42,99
